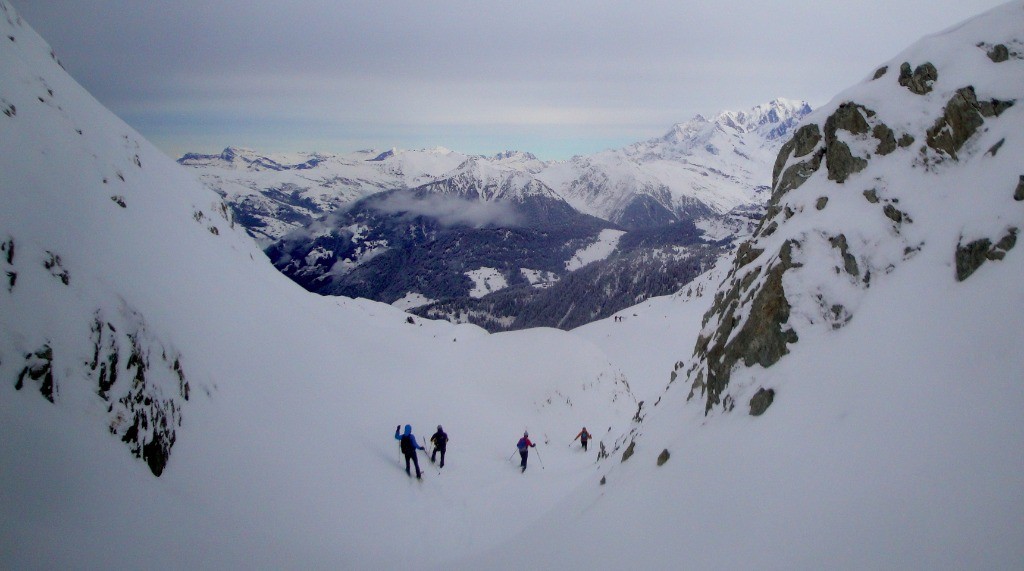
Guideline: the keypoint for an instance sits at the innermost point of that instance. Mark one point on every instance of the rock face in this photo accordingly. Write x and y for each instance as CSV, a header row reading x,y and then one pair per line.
x,y
961,119
920,81
817,251
970,256
761,401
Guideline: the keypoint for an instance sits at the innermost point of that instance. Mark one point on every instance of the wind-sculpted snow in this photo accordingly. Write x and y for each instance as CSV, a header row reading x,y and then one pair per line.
x,y
917,164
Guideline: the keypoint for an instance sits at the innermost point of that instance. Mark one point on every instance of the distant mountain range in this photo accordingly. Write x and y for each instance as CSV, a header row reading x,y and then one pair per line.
x,y
488,240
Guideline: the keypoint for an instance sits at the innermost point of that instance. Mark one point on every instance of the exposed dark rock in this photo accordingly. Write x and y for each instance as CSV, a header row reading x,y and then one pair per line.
x,y
663,457
905,140
839,160
54,264
629,451
995,148
157,451
838,315
144,401
803,143
761,400
8,249
1018,194
871,195
762,339
880,72
821,203
994,107
920,81
893,213
849,260
39,367
886,139
999,53
639,417
746,253
961,118
119,200
969,257
604,480
1004,245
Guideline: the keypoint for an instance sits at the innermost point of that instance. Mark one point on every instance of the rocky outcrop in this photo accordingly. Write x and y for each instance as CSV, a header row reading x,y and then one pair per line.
x,y
39,367
803,144
760,337
920,81
663,457
144,384
961,119
970,256
139,379
751,322
999,53
761,400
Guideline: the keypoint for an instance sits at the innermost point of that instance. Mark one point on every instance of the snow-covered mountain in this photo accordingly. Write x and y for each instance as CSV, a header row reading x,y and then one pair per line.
x,y
889,432
699,170
271,195
383,225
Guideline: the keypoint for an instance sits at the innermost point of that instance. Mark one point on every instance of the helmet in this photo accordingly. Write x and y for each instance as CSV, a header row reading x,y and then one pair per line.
x,y
526,434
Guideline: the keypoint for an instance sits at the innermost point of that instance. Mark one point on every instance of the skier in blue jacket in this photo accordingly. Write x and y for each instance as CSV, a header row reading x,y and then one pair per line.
x,y
409,447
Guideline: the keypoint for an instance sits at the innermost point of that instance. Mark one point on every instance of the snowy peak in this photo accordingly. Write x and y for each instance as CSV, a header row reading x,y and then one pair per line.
x,y
770,120
234,158
513,155
700,170
478,178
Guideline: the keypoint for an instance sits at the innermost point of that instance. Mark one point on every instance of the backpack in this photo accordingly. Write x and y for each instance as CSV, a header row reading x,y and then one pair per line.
x,y
406,445
522,444
440,439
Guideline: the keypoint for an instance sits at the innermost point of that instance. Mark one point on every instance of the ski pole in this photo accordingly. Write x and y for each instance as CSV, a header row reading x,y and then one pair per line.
x,y
539,459
510,457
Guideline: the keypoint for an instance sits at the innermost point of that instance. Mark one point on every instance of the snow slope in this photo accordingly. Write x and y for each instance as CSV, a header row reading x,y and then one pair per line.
x,y
267,411
880,301
894,439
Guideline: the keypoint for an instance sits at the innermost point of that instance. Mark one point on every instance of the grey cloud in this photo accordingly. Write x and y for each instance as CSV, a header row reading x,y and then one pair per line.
x,y
409,73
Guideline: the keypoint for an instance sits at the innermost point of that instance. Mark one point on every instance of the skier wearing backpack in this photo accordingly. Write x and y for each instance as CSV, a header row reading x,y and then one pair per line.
x,y
409,446
440,440
524,446
583,436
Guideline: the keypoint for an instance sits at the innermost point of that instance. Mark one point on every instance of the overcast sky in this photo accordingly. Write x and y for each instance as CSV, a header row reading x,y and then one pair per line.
x,y
553,77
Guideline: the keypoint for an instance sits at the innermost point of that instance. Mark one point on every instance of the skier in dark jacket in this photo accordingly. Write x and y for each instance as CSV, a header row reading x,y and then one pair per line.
x,y
524,446
409,447
440,440
583,436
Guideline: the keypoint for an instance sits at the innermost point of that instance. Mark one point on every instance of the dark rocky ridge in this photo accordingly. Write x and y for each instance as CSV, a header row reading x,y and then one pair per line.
x,y
749,322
